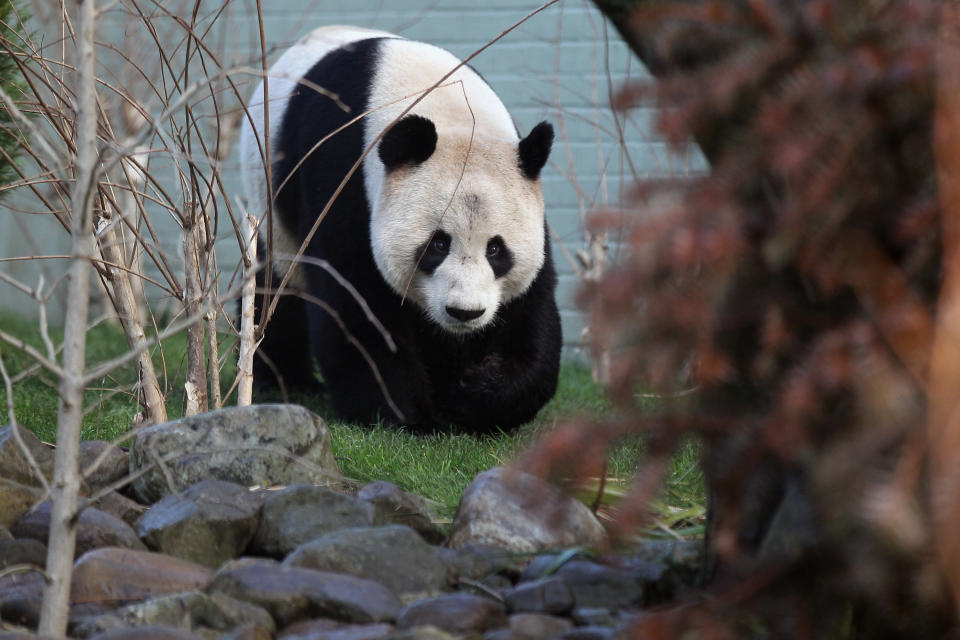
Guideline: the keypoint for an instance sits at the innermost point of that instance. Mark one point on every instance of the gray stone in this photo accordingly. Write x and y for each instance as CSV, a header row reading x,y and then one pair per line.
x,y
377,631
303,512
95,529
14,465
153,632
666,567
309,629
121,507
395,556
522,513
596,585
259,445
21,595
549,595
594,617
395,506
22,551
457,613
588,633
210,522
5,533
114,466
114,575
478,564
291,593
209,615
423,632
15,500
538,625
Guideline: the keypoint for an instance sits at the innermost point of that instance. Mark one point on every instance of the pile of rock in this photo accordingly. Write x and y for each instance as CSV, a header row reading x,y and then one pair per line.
x,y
212,558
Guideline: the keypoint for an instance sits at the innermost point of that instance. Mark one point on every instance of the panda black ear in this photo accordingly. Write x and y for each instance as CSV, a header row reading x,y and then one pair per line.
x,y
535,149
410,141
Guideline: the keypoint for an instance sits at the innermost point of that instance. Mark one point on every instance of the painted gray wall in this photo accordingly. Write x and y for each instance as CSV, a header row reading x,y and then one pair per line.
x,y
560,65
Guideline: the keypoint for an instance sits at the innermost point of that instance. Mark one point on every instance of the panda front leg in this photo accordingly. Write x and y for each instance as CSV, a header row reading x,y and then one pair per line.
x,y
366,381
507,385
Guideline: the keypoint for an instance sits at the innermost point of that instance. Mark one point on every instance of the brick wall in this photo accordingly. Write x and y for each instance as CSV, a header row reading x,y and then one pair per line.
x,y
560,66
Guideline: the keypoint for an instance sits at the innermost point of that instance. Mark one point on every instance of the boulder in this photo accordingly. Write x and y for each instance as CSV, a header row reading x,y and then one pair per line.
x,y
200,613
21,595
302,512
457,613
14,465
121,507
549,595
256,445
533,626
593,584
15,500
115,463
114,575
395,506
151,632
95,529
291,593
22,551
210,522
395,556
520,512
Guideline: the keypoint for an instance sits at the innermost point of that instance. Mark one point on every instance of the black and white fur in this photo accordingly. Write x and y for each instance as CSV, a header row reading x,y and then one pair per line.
x,y
441,231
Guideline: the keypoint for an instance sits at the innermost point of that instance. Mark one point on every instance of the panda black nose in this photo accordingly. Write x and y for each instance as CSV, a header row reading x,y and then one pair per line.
x,y
465,315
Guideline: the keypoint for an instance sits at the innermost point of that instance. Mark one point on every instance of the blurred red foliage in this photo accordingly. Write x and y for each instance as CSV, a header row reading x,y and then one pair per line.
x,y
801,286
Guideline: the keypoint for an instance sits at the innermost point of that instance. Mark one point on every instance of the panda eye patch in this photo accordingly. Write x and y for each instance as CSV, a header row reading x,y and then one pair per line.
x,y
499,256
433,252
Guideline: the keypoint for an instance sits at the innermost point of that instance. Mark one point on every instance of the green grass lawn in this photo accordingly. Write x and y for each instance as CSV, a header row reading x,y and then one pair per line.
x,y
438,467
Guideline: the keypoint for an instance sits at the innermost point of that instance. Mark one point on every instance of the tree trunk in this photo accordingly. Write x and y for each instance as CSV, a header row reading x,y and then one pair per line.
x,y
66,478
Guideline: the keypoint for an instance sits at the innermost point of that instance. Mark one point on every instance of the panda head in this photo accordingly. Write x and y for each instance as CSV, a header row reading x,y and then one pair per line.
x,y
458,224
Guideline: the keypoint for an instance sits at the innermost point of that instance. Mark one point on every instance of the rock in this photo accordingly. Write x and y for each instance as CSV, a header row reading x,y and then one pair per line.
x,y
594,617
395,556
14,465
666,567
254,445
395,506
291,593
15,500
458,613
537,625
303,512
121,507
593,584
248,632
124,575
95,529
5,533
22,551
588,633
309,629
21,595
424,632
210,522
522,513
114,465
200,613
153,632
549,595
477,563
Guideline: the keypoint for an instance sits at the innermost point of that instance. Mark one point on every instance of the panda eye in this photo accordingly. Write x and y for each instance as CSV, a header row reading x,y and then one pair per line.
x,y
494,247
439,244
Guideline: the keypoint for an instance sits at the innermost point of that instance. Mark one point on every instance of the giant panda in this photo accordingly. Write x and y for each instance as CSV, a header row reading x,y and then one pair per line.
x,y
441,232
